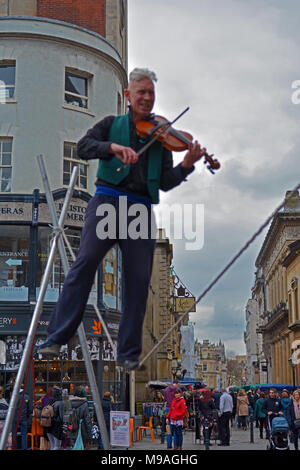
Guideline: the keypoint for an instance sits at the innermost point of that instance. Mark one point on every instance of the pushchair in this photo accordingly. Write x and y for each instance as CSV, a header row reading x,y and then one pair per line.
x,y
278,433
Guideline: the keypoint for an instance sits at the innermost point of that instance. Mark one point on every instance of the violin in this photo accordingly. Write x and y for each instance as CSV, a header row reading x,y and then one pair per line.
x,y
159,128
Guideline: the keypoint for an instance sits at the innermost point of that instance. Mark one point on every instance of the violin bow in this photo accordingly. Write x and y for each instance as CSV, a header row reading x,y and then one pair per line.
x,y
165,127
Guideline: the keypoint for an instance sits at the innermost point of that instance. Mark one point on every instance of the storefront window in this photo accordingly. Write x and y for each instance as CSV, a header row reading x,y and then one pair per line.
x,y
57,275
14,263
112,278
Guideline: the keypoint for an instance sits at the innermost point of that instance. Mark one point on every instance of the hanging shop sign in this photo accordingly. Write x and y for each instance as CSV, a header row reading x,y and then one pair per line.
x,y
182,304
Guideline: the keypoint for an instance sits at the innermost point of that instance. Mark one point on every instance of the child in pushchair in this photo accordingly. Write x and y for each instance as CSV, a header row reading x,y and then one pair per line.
x,y
278,433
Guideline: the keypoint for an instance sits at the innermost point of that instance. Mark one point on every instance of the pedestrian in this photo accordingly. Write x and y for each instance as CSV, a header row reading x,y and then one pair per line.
x,y
66,441
234,400
293,417
242,408
256,396
55,431
259,415
271,407
3,409
169,395
207,408
80,404
158,397
217,396
285,401
115,143
22,419
226,406
175,417
44,441
107,407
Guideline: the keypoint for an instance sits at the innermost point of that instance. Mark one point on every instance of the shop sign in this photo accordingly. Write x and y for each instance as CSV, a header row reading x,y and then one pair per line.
x,y
15,211
182,304
12,324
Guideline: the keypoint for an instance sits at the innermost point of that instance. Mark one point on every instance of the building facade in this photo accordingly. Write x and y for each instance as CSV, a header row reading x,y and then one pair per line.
x,y
275,297
59,75
211,363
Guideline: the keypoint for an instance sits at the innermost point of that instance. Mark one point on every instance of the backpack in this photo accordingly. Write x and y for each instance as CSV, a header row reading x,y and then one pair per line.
x,y
70,421
47,416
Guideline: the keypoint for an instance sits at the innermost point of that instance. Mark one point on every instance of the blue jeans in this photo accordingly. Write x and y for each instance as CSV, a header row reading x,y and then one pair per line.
x,y
178,437
23,430
169,436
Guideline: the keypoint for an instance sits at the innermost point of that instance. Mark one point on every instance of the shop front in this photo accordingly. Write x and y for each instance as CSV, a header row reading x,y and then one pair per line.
x,y
25,241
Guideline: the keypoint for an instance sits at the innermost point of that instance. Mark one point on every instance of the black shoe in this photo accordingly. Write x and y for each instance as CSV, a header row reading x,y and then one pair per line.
x,y
49,348
131,364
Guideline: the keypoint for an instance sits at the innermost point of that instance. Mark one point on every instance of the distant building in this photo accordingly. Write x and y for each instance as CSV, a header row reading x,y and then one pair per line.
x,y
211,363
275,299
63,66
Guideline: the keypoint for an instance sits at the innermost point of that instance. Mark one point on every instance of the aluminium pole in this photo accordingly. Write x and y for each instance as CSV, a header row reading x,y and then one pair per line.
x,y
80,330
35,318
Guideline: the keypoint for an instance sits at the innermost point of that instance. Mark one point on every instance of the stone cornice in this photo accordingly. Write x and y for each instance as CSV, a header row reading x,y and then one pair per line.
x,y
278,224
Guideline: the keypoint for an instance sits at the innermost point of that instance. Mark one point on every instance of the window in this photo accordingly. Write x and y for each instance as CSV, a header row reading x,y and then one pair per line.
x,y
57,277
76,89
71,159
5,165
7,81
112,278
14,263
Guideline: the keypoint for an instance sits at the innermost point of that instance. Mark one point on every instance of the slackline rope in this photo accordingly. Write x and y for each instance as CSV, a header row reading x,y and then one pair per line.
x,y
244,248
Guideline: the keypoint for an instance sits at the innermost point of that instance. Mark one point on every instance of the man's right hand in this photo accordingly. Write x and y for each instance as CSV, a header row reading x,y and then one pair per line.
x,y
126,154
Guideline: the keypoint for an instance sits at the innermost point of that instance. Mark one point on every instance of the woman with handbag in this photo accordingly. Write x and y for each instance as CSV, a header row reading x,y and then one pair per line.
x,y
293,416
176,415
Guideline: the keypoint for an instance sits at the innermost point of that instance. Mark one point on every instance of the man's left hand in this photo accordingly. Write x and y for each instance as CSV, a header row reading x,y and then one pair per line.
x,y
194,153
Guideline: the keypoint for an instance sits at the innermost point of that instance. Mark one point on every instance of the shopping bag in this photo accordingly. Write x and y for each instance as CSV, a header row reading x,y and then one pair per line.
x,y
79,442
168,429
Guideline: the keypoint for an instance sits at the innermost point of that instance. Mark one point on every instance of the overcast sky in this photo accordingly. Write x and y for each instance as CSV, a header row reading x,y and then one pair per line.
x,y
233,62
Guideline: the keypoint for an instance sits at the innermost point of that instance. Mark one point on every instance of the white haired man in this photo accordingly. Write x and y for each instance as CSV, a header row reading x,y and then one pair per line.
x,y
114,142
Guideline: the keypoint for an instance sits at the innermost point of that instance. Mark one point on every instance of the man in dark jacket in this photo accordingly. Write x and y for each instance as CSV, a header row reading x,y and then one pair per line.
x,y
22,418
271,407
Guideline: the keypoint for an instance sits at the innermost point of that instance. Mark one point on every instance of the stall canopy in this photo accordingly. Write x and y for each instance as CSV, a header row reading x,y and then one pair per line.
x,y
266,387
189,384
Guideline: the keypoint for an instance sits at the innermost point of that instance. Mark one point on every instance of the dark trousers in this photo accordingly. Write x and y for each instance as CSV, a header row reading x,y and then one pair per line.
x,y
296,435
224,427
137,258
261,423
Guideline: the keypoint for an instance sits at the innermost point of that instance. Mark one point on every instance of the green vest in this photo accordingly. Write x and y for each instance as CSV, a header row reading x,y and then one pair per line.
x,y
107,169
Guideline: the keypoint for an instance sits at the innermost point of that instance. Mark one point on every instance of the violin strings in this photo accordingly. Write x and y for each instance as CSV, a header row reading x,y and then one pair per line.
x,y
221,274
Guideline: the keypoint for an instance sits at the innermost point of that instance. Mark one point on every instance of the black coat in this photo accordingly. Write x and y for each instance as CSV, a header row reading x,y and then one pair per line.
x,y
290,415
26,412
206,408
271,404
82,412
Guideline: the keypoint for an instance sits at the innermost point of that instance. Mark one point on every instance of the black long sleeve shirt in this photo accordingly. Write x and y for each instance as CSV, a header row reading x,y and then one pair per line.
x,y
95,145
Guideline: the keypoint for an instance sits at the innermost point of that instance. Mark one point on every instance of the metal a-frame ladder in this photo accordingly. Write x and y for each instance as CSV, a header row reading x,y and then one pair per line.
x,y
57,243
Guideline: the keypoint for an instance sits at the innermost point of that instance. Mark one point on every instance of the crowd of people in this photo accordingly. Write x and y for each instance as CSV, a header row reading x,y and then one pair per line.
x,y
56,419
226,408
